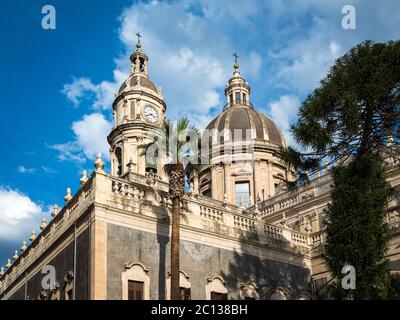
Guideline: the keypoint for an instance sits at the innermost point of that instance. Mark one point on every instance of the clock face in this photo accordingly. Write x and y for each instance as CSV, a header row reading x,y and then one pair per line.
x,y
150,114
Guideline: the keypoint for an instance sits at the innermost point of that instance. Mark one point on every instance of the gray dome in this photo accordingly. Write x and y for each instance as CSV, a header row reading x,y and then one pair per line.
x,y
245,118
144,82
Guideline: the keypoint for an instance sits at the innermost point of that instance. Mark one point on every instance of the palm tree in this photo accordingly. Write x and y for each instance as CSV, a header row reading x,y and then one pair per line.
x,y
179,146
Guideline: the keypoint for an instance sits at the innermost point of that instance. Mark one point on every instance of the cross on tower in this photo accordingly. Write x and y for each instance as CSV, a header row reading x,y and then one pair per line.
x,y
236,57
138,36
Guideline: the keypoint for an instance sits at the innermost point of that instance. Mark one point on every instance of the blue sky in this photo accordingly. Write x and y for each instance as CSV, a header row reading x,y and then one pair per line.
x,y
57,85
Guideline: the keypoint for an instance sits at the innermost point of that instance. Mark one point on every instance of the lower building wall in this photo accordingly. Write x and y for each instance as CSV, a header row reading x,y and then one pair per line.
x,y
29,287
199,262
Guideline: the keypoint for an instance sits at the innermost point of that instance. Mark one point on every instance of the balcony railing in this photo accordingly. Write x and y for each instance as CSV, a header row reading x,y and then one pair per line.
x,y
238,102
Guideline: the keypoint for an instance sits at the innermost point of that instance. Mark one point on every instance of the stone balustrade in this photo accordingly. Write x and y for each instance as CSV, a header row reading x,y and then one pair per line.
x,y
64,219
285,201
202,212
211,213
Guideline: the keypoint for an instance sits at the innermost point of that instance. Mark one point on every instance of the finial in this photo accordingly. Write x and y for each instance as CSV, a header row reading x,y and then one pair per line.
x,y
23,247
225,203
99,164
241,206
390,140
33,236
283,220
308,228
325,166
8,265
131,165
226,198
55,211
256,210
43,224
138,44
1,271
84,178
236,65
68,196
15,257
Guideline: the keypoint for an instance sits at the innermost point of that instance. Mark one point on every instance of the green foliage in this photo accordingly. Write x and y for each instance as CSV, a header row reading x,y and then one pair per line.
x,y
357,233
348,121
174,143
394,287
355,109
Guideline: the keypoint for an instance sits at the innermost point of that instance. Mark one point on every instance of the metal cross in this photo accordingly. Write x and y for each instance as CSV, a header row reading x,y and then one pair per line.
x,y
138,36
236,57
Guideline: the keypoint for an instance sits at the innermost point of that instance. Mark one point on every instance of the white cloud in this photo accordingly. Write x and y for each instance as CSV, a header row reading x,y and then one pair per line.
x,y
101,95
69,151
284,112
185,60
304,62
254,64
90,136
48,170
22,169
189,43
19,215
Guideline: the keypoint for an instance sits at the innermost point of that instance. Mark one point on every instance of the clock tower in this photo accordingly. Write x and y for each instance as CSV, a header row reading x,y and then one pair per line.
x,y
138,110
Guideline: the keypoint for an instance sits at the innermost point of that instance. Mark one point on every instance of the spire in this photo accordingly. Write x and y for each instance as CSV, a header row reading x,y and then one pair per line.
x,y
139,59
236,65
138,44
237,91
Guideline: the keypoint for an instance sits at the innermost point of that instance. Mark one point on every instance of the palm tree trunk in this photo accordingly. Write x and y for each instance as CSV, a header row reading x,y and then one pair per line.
x,y
176,208
176,191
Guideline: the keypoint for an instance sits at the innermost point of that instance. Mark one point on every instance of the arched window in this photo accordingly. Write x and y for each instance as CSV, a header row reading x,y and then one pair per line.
x,y
278,294
118,158
184,286
304,295
249,291
135,282
216,288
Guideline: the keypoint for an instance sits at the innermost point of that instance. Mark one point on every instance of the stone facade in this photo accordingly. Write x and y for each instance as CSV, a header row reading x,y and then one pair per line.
x,y
116,227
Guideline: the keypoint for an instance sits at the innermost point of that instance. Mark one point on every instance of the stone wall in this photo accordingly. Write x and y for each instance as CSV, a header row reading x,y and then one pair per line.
x,y
199,262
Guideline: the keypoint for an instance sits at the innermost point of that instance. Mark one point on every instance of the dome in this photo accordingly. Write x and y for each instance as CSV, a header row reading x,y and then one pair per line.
x,y
144,82
242,117
139,76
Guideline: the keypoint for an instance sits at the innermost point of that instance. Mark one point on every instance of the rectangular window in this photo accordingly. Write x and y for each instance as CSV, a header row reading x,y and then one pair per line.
x,y
133,111
207,193
218,296
244,97
185,293
242,193
237,97
135,290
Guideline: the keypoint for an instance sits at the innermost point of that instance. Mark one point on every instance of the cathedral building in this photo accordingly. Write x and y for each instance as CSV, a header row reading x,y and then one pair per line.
x,y
243,235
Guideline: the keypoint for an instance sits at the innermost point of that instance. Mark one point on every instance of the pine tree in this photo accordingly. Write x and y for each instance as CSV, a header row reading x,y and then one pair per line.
x,y
357,233
348,121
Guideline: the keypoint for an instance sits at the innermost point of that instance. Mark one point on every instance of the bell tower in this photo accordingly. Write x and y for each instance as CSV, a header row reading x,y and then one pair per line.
x,y
138,111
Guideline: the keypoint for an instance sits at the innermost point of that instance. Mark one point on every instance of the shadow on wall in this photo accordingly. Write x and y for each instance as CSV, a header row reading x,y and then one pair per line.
x,y
253,277
162,227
